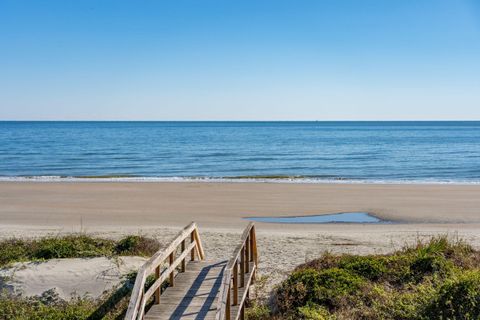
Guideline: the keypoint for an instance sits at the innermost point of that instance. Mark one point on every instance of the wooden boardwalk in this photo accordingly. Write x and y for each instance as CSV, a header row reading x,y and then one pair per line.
x,y
205,290
194,295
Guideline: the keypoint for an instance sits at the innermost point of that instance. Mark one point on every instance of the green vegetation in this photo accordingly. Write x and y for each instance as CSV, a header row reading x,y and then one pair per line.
x,y
49,306
112,305
439,279
20,309
73,246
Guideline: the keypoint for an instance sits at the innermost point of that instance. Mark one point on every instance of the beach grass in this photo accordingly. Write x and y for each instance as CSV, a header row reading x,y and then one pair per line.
x,y
437,279
74,246
112,305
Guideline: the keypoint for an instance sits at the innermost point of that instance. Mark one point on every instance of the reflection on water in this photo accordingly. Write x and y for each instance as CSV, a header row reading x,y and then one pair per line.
x,y
346,217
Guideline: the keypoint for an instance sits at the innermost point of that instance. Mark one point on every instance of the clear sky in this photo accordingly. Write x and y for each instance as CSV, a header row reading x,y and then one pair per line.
x,y
240,60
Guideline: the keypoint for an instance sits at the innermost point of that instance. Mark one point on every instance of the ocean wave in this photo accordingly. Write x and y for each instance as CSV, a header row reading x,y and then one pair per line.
x,y
238,179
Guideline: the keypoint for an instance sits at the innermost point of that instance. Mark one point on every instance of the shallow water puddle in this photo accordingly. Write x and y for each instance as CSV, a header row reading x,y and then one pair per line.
x,y
345,217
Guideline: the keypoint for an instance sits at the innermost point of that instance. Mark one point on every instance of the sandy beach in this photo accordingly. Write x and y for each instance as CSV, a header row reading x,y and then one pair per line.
x,y
29,209
130,204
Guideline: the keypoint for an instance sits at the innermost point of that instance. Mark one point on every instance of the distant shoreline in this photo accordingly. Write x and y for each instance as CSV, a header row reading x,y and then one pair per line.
x,y
242,179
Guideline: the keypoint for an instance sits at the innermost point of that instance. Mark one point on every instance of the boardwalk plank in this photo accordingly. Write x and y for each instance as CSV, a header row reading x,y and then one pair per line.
x,y
194,295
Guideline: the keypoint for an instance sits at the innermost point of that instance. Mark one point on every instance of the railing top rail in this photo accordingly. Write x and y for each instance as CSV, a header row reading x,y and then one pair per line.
x,y
238,250
161,255
156,260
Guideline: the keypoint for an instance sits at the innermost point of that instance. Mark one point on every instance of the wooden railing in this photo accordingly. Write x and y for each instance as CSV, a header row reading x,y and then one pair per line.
x,y
238,276
140,297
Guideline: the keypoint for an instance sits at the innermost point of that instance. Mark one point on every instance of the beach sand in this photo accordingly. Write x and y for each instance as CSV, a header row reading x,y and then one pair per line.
x,y
112,209
68,277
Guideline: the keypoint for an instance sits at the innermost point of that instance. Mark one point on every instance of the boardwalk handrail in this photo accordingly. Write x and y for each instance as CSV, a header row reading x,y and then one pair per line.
x,y
140,297
244,255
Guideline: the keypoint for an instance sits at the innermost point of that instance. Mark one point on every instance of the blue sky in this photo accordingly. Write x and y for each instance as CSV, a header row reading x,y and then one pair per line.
x,y
240,60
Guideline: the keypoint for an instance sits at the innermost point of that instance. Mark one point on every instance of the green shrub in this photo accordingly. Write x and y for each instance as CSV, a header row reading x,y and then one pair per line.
x,y
457,298
81,246
13,250
437,279
257,312
25,309
314,312
369,267
311,286
381,302
112,305
335,283
137,245
427,264
73,246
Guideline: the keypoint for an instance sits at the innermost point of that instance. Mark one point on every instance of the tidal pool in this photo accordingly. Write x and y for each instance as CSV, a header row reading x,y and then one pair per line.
x,y
344,217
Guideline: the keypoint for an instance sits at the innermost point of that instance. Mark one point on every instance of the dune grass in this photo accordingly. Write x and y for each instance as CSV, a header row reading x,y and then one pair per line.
x,y
112,305
438,279
74,246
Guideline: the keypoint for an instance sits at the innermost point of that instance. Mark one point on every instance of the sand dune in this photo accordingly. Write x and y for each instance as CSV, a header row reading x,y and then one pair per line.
x,y
67,277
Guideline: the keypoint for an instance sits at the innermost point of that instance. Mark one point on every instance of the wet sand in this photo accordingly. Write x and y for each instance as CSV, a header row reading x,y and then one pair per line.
x,y
110,204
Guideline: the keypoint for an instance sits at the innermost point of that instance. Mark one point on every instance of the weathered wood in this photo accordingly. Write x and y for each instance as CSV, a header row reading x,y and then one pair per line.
x,y
224,305
194,295
251,244
137,292
183,265
235,284
201,291
192,240
157,291
201,253
254,246
139,298
245,255
244,295
161,255
228,305
167,273
242,313
172,274
242,268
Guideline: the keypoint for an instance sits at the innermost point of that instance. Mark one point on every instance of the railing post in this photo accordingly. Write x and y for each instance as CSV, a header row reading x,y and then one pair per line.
x,y
198,242
251,244
235,283
242,268
253,236
183,265
254,245
247,255
192,253
172,274
157,292
227,307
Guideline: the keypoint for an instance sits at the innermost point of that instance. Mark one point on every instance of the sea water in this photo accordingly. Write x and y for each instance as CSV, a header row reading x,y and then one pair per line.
x,y
381,152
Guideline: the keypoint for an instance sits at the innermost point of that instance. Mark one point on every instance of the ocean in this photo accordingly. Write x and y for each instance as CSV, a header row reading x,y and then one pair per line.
x,y
289,152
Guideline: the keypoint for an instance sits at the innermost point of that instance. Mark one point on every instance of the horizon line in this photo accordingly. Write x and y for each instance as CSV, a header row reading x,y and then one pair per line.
x,y
109,120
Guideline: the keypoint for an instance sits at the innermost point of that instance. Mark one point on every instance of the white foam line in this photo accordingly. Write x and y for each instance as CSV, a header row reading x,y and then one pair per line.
x,y
229,180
